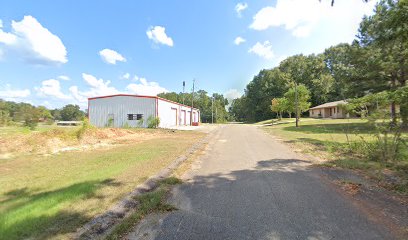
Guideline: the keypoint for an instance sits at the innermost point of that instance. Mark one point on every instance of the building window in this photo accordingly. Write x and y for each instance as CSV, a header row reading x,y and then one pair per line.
x,y
135,116
335,110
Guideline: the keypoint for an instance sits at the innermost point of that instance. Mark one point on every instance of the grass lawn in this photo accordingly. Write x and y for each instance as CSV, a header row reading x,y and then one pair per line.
x,y
20,130
329,138
48,197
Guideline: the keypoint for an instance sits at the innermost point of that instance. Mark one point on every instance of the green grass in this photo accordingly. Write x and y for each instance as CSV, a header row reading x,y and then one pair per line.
x,y
336,140
150,202
50,196
18,129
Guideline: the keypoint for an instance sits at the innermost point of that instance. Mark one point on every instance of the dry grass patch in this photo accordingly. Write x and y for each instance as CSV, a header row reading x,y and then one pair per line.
x,y
50,196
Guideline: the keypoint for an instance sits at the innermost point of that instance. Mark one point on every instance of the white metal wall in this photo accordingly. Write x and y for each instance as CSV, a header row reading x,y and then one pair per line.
x,y
168,116
172,114
101,109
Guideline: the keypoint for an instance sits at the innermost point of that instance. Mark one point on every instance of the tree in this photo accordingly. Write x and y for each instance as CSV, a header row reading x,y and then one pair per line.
x,y
298,99
384,40
203,102
71,112
265,86
56,114
44,113
4,118
279,105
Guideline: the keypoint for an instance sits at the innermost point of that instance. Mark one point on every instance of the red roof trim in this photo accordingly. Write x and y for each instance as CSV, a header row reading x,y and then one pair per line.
x,y
140,96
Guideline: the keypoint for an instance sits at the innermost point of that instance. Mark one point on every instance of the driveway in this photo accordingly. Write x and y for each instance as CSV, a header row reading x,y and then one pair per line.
x,y
250,186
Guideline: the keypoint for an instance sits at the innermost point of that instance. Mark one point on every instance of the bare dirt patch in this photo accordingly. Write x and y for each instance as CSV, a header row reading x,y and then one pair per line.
x,y
62,140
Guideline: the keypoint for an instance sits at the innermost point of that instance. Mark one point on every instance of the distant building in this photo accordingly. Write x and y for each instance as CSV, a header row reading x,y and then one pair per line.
x,y
328,110
124,110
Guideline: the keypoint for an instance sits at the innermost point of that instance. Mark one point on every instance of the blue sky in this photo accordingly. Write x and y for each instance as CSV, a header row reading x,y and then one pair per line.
x,y
57,53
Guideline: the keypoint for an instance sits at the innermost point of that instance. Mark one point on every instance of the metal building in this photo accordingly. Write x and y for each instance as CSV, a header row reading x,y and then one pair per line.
x,y
124,110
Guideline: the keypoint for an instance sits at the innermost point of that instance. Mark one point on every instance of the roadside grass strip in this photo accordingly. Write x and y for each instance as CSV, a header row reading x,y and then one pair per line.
x,y
341,143
49,197
150,202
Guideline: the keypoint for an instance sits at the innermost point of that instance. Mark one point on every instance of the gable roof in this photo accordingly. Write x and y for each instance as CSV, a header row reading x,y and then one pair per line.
x,y
330,104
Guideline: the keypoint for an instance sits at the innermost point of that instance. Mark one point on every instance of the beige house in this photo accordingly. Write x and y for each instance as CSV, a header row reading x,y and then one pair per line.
x,y
328,110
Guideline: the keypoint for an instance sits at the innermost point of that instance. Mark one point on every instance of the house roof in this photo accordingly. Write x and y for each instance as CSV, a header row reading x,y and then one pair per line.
x,y
140,96
330,104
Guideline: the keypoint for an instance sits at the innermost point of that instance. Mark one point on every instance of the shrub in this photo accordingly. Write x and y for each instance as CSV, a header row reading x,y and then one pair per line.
x,y
110,122
153,122
85,126
4,118
140,122
31,123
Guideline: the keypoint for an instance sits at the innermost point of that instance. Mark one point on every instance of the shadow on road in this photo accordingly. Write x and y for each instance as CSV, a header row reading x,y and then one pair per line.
x,y
278,199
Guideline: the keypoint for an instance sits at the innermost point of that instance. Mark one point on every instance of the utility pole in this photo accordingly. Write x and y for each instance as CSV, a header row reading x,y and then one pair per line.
x,y
296,106
192,105
212,109
184,86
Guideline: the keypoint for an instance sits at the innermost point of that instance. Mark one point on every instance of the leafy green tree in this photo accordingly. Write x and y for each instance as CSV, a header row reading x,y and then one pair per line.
x,y
202,101
72,112
383,38
56,114
265,86
298,99
44,113
4,118
279,105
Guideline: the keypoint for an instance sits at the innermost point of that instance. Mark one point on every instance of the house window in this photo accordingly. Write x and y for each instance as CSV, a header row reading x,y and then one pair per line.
x,y
135,116
335,110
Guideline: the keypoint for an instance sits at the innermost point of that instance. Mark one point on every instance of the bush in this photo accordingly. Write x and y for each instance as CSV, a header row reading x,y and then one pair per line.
x,y
126,125
5,118
85,126
110,122
31,123
153,122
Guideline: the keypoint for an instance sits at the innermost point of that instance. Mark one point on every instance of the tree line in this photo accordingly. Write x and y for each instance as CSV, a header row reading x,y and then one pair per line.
x,y
376,61
210,106
13,113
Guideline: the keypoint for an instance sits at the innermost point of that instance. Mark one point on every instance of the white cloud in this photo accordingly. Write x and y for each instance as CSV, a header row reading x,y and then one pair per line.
x,y
240,7
232,94
145,88
126,76
63,77
7,38
239,40
97,87
9,94
301,17
34,43
263,50
158,35
110,56
51,88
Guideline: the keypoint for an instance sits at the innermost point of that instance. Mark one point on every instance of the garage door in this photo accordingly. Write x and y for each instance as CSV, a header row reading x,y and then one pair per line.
x,y
173,117
183,118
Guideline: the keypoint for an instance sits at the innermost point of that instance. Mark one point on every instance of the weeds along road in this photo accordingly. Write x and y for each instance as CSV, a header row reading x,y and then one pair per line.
x,y
250,186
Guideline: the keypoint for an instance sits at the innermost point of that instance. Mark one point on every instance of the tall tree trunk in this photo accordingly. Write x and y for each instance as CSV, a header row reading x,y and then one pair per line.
x,y
404,115
403,105
393,112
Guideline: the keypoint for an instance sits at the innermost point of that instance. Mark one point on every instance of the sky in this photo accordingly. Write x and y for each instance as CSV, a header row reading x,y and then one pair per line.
x,y
57,53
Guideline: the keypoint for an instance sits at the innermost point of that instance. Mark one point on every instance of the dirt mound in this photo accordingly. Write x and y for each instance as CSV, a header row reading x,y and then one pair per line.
x,y
57,140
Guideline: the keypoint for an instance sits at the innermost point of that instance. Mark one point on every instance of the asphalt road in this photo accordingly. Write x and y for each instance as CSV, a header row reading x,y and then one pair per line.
x,y
250,186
